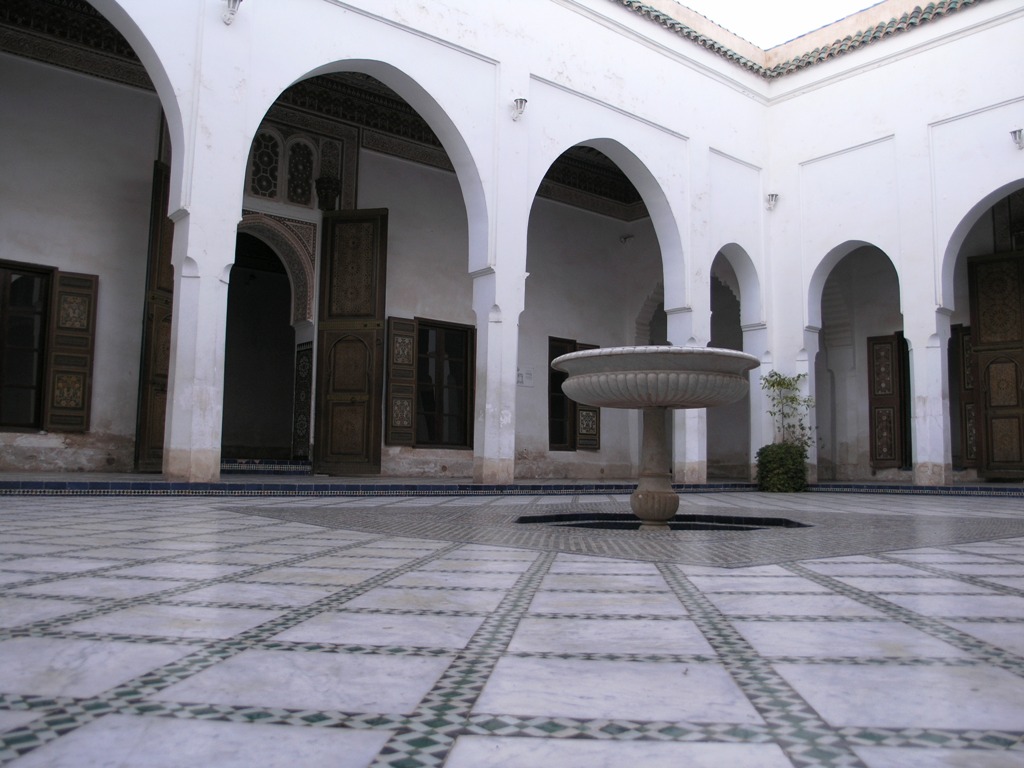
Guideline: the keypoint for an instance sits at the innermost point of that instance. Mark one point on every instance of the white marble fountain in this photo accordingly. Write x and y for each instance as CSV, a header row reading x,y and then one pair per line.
x,y
655,379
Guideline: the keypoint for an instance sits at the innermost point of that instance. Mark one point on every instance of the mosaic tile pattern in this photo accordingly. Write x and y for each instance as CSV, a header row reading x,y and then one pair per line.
x,y
427,630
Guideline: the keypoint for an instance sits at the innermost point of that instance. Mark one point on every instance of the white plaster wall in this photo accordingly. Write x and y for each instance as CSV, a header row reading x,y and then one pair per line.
x,y
427,273
862,300
77,159
587,285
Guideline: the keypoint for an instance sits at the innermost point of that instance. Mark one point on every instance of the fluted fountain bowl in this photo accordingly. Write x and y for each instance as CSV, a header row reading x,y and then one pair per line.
x,y
655,379
648,377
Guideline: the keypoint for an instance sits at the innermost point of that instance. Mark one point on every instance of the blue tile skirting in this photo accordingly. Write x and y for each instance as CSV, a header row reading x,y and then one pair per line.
x,y
343,487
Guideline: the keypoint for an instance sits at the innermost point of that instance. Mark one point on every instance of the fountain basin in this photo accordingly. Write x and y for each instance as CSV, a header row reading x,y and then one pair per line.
x,y
645,377
655,379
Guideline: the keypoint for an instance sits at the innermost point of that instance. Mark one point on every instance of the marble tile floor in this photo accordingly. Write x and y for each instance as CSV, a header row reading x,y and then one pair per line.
x,y
427,631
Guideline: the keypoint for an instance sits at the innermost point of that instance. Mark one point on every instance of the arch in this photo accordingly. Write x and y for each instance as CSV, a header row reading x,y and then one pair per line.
x,y
816,285
650,189
749,283
447,132
294,242
959,235
165,90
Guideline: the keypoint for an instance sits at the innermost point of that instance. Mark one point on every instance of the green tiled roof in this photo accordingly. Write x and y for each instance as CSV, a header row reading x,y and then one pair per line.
x,y
894,26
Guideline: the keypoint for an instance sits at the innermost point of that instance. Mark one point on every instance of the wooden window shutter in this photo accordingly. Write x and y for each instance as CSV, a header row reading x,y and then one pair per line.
x,y
400,408
70,352
588,420
887,406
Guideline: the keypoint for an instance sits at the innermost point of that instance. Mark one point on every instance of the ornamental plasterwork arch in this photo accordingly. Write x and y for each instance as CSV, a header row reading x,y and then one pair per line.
x,y
294,242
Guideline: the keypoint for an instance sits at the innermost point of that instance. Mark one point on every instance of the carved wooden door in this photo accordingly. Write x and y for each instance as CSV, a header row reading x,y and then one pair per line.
x,y
888,425
156,331
997,322
350,343
961,366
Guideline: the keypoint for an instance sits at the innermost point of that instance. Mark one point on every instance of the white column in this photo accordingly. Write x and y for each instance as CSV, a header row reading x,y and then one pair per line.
x,y
497,352
195,396
929,401
755,342
805,365
689,435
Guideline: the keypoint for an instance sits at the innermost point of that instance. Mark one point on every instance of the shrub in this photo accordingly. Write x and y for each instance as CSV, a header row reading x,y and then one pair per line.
x,y
781,468
782,465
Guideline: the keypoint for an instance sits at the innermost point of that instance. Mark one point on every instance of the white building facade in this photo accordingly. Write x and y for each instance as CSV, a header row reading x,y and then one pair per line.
x,y
317,232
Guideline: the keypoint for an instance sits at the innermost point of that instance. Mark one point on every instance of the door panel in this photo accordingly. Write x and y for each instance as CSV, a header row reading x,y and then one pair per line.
x,y
156,332
997,320
350,360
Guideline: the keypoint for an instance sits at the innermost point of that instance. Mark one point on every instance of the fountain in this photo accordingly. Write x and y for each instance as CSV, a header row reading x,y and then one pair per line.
x,y
655,380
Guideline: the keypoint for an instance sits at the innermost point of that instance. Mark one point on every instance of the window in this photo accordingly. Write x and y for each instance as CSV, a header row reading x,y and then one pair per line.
x,y
571,426
430,383
24,304
47,320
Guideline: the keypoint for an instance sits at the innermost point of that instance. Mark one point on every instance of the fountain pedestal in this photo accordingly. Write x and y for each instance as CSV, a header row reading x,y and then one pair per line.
x,y
655,379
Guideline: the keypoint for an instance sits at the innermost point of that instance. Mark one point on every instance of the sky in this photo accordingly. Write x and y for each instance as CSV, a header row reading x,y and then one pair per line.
x,y
767,23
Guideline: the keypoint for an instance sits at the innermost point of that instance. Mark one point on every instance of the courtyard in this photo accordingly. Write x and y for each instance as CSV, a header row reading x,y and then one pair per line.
x,y
426,630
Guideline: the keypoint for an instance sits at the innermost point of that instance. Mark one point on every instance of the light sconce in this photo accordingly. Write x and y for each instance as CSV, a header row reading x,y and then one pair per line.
x,y
229,14
518,107
771,200
1018,137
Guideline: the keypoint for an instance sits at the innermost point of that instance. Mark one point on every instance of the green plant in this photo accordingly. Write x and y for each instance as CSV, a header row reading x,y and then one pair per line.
x,y
781,466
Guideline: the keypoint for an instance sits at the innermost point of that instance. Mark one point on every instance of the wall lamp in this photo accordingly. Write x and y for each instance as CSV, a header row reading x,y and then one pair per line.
x,y
771,200
1018,137
518,107
229,14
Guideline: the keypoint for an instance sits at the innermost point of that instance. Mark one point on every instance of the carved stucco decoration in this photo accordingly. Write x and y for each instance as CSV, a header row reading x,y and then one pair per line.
x,y
294,242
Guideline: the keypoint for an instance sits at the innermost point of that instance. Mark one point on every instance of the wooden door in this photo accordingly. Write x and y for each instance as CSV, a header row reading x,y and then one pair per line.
x,y
961,374
156,330
997,321
889,412
350,343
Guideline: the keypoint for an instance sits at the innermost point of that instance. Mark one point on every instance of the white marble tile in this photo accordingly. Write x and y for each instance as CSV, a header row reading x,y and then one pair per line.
x,y
193,621
790,605
256,594
102,586
175,570
640,636
911,697
981,606
755,584
607,603
864,569
18,611
820,638
614,689
46,666
482,564
351,561
9,720
414,599
604,582
986,569
920,585
455,579
1007,636
508,752
921,757
123,741
328,577
11,577
754,570
307,680
600,565
59,564
385,630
